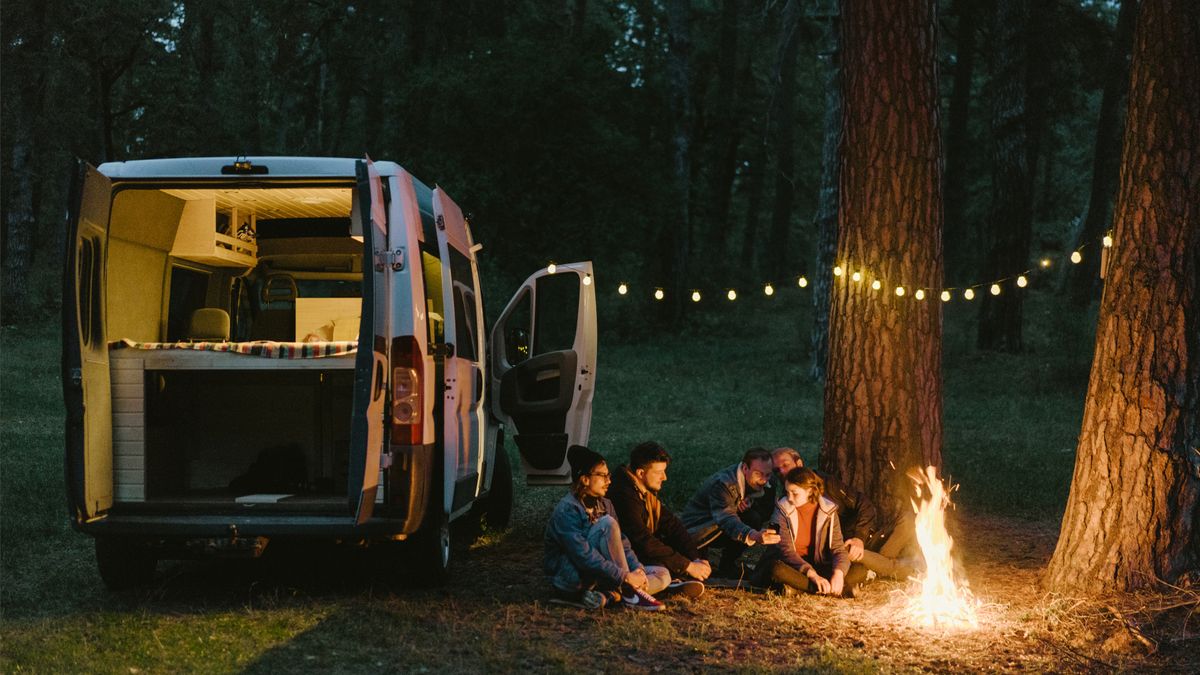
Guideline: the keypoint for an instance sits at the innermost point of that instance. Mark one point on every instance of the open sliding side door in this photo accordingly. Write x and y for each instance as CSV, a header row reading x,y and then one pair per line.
x,y
87,392
371,364
544,368
465,374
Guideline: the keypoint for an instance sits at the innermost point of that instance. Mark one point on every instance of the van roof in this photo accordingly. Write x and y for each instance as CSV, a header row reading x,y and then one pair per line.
x,y
210,167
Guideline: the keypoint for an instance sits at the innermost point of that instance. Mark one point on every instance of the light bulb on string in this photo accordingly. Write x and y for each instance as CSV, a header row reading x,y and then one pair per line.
x,y
1022,281
551,268
769,290
732,295
900,291
969,294
1076,257
875,285
695,296
622,289
945,296
803,283
658,294
587,280
995,289
920,294
837,271
1045,263
1107,241
857,276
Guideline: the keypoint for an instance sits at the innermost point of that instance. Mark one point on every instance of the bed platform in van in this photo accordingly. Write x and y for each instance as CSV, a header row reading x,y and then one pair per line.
x,y
218,421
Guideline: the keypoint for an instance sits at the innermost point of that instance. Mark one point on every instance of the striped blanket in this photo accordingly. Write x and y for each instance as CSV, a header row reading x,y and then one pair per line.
x,y
264,348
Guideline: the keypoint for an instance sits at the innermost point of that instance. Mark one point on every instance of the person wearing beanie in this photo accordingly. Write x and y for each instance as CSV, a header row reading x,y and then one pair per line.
x,y
587,559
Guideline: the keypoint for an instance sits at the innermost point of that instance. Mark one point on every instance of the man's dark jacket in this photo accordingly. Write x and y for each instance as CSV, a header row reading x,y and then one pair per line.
x,y
855,510
668,544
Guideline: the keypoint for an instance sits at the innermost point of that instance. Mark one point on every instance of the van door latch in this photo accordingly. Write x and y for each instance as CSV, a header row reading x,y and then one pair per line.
x,y
397,259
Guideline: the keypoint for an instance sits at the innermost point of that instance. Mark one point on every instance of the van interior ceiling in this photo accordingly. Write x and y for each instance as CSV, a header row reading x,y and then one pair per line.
x,y
211,263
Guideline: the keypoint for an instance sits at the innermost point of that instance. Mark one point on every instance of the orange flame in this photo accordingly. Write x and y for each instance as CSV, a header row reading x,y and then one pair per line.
x,y
943,601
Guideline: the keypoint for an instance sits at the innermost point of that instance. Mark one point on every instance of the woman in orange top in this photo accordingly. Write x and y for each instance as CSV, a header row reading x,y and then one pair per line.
x,y
810,555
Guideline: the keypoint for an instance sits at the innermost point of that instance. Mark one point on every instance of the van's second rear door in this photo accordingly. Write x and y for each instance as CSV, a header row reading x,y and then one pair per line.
x,y
371,365
86,387
544,368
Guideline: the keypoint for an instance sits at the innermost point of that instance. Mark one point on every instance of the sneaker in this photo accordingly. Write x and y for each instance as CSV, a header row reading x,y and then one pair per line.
x,y
586,599
641,600
684,588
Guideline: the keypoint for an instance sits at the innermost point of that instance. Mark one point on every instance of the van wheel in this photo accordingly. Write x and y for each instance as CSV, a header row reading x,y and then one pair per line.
x,y
124,563
500,497
432,549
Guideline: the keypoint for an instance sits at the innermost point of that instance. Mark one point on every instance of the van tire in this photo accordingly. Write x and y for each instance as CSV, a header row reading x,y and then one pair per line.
x,y
431,549
500,497
124,563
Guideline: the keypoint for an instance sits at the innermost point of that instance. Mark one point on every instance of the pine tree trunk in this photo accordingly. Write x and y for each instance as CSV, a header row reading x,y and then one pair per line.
x,y
883,391
1011,220
958,141
1133,515
783,118
1083,279
827,204
679,45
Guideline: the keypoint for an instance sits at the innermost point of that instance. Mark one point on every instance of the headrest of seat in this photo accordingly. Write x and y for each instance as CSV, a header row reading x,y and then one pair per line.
x,y
279,288
209,323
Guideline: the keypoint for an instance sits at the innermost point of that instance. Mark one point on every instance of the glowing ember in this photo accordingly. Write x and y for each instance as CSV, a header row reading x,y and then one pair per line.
x,y
942,601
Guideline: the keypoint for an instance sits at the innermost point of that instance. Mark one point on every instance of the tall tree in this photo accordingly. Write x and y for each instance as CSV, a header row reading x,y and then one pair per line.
x,y
1097,217
958,140
678,84
1010,225
827,200
783,116
726,131
883,391
1133,515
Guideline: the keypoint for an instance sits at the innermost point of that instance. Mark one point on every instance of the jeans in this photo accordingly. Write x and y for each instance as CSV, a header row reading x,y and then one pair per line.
x,y
711,536
605,537
891,548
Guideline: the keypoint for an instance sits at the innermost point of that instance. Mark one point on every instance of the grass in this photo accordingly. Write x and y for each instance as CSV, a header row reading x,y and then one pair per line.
x,y
737,377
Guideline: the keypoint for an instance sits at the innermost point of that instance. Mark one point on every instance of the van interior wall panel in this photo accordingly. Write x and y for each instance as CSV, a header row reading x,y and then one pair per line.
x,y
229,433
135,290
129,429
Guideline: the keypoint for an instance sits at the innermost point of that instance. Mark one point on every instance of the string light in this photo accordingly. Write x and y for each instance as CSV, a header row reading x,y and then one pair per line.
x,y
1022,281
1107,241
945,296
587,280
803,283
900,291
768,289
920,294
695,296
551,268
1076,257
622,289
658,294
732,295
875,285
969,294
837,271
857,276
995,289
1045,263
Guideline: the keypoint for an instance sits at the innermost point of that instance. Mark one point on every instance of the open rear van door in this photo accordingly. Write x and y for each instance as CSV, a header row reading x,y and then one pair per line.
x,y
87,390
544,368
371,365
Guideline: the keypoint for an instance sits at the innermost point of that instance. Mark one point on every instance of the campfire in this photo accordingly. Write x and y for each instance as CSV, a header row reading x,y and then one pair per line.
x,y
942,600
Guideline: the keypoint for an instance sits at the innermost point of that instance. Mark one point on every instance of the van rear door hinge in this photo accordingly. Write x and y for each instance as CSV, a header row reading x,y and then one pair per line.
x,y
393,259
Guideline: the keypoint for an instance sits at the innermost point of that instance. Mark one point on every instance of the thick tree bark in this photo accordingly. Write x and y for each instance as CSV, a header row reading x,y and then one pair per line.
x,y
827,203
883,392
1011,221
958,149
1083,279
679,46
783,121
1133,515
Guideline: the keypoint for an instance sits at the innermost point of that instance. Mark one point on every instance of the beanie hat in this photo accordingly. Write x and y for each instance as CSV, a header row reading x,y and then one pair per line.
x,y
582,460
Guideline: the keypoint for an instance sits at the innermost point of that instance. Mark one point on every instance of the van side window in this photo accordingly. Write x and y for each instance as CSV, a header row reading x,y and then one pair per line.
x,y
557,309
431,268
516,330
464,306
189,288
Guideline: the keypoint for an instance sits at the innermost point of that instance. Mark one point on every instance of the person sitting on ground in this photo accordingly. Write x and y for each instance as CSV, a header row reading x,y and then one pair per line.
x,y
721,513
587,559
886,551
810,555
657,535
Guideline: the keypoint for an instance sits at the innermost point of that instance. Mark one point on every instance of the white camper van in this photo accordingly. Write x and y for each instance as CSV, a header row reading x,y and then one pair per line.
x,y
295,347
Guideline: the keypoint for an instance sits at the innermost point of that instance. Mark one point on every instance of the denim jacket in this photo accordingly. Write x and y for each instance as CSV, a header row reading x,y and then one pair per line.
x,y
569,558
829,549
715,504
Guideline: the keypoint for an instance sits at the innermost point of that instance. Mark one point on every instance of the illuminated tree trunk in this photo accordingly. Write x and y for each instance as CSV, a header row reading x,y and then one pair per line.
x,y
883,390
1134,510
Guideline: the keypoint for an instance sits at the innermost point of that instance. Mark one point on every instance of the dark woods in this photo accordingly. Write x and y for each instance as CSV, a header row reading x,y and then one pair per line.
x,y
678,143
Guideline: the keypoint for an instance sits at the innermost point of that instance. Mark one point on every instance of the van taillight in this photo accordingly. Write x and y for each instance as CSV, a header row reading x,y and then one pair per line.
x,y
407,411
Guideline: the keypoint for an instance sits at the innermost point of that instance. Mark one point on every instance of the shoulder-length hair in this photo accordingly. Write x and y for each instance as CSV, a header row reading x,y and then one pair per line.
x,y
806,478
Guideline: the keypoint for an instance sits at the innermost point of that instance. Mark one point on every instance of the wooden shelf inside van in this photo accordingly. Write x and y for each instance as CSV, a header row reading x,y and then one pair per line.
x,y
199,240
